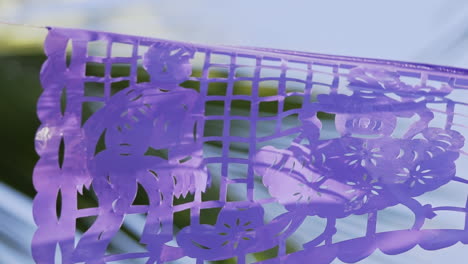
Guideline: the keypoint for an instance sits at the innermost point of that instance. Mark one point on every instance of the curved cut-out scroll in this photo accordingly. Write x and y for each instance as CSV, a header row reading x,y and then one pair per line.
x,y
213,153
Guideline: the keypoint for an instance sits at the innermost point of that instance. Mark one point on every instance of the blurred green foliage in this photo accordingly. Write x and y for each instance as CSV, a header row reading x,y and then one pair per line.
x,y
20,89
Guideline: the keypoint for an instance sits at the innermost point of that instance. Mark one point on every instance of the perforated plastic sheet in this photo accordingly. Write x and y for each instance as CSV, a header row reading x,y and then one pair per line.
x,y
237,149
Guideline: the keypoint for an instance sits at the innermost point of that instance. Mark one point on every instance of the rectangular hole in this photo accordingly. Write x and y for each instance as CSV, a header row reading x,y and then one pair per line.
x,y
267,109
323,78
119,86
212,149
218,72
265,128
120,70
213,128
94,89
239,150
95,69
246,61
220,58
142,50
240,108
237,192
245,72
292,102
295,87
197,64
240,128
217,88
290,121
268,88
242,88
209,216
270,73
97,48
122,50
301,75
215,108
237,171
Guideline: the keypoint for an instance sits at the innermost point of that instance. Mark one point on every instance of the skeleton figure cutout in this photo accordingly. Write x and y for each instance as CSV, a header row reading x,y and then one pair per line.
x,y
138,123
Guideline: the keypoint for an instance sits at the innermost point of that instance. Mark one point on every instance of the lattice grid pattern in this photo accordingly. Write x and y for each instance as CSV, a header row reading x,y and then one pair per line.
x,y
264,140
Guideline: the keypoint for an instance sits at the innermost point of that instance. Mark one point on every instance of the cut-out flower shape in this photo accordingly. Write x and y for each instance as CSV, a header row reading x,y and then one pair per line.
x,y
235,229
362,155
363,190
428,174
353,154
418,175
234,233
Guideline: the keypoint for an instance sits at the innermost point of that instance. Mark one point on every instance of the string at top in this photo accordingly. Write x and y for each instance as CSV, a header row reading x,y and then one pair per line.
x,y
21,25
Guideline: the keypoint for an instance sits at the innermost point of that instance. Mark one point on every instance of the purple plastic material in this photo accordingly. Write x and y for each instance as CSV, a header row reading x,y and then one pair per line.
x,y
348,136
